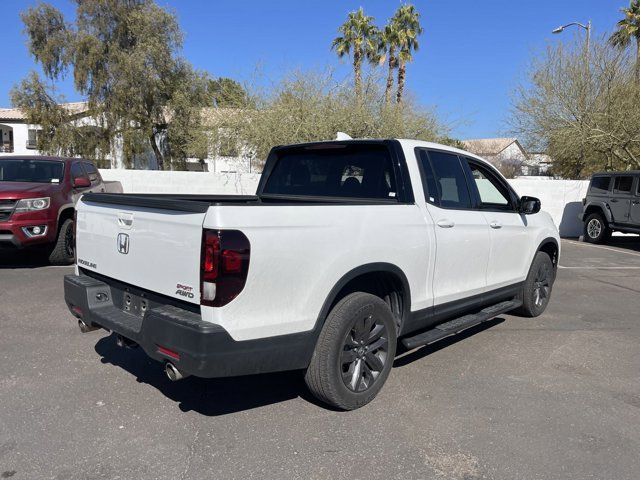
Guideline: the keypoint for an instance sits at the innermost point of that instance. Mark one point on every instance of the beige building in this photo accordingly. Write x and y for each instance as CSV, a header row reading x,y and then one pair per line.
x,y
509,151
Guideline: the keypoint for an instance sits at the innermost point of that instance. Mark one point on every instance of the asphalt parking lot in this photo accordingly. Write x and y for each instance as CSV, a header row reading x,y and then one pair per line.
x,y
556,397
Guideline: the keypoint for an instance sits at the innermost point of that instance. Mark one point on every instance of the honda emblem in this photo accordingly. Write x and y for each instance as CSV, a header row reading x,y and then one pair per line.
x,y
123,243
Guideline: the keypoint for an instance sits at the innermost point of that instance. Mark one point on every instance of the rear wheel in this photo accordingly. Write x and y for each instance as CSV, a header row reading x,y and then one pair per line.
x,y
536,291
64,252
354,353
596,229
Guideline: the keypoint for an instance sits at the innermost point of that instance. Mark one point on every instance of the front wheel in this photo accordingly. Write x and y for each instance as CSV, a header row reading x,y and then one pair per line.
x,y
596,229
63,252
536,291
354,353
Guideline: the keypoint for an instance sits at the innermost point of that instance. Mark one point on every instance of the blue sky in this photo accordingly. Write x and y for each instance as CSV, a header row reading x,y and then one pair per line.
x,y
472,52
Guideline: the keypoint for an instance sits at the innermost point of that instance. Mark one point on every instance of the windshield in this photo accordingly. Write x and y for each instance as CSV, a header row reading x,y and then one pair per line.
x,y
352,171
39,171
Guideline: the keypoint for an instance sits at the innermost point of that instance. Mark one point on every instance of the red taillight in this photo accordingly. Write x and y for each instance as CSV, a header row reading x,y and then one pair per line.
x,y
77,311
168,353
225,265
211,257
231,261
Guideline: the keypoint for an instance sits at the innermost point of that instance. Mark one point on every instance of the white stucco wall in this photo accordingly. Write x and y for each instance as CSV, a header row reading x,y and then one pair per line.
x,y
561,198
153,181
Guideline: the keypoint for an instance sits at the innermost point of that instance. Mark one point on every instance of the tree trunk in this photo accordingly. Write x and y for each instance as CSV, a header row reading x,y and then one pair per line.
x,y
389,86
638,59
402,71
357,70
157,152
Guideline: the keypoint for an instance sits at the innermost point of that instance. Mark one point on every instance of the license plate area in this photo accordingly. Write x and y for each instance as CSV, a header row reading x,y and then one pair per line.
x,y
136,304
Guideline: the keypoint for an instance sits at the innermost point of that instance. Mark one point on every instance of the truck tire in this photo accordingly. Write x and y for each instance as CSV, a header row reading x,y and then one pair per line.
x,y
64,252
354,353
536,291
596,229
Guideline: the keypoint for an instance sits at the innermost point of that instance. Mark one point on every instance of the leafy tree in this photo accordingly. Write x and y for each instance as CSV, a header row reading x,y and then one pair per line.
x,y
124,58
228,93
628,30
406,24
314,106
585,122
360,37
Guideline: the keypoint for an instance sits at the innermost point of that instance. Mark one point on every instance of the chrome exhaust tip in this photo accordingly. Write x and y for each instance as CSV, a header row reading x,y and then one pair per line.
x,y
173,373
124,342
84,328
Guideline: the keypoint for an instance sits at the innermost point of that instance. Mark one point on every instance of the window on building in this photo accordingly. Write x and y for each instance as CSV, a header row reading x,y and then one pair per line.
x,y
32,138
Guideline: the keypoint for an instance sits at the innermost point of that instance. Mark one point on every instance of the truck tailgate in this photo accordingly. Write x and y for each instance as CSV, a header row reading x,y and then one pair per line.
x,y
153,246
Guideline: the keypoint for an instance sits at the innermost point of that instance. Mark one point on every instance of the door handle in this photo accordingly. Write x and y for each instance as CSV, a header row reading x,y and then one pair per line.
x,y
445,223
495,224
613,200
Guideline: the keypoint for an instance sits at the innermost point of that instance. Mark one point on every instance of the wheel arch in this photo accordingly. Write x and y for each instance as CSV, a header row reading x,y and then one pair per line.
x,y
380,279
550,247
600,208
65,212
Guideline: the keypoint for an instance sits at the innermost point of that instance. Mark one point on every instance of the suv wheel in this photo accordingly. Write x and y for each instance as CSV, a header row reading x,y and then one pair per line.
x,y
64,251
536,291
596,229
354,353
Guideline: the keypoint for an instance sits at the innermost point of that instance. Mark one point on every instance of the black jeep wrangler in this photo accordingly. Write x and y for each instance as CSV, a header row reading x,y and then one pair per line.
x,y
612,204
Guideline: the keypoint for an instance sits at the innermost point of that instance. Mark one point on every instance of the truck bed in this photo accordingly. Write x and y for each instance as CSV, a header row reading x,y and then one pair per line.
x,y
182,203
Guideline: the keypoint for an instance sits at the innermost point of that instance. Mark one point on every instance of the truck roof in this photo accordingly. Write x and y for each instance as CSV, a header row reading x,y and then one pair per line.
x,y
42,157
621,172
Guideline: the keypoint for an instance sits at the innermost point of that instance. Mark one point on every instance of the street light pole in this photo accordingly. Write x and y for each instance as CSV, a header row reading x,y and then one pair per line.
x,y
587,27
583,99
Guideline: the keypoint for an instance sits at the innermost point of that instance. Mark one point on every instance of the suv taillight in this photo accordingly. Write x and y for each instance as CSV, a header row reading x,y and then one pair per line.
x,y
224,266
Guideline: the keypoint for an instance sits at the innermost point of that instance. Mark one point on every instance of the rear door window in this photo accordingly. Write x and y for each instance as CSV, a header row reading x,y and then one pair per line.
x,y
600,185
341,171
449,184
623,184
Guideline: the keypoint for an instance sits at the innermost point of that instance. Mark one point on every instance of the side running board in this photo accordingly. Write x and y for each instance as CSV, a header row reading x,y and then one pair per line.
x,y
457,325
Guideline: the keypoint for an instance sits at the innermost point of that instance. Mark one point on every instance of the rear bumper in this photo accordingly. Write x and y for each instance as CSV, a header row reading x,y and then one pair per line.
x,y
205,349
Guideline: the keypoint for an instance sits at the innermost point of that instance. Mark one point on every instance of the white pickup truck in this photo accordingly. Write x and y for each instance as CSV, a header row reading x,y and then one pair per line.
x,y
347,248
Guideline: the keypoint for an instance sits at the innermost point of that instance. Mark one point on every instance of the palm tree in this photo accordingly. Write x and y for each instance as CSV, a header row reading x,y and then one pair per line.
x,y
407,24
628,30
360,37
388,49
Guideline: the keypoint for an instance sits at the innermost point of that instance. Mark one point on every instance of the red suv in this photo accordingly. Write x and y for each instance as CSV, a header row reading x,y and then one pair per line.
x,y
37,199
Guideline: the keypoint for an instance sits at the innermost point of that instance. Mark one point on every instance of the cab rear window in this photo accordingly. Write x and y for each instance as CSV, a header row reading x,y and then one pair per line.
x,y
600,184
334,170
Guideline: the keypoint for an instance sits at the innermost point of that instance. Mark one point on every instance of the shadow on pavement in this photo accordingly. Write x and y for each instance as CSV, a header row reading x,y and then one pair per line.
x,y
31,258
630,242
221,396
210,397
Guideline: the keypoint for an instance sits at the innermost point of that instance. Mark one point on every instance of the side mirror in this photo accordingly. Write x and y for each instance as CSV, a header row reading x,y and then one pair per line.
x,y
529,205
81,182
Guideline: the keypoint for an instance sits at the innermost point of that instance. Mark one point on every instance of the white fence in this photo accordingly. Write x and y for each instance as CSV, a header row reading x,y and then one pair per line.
x,y
561,198
154,181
